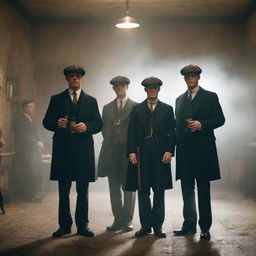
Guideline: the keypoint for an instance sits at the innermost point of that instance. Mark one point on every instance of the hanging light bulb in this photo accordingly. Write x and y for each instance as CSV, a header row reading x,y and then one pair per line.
x,y
127,21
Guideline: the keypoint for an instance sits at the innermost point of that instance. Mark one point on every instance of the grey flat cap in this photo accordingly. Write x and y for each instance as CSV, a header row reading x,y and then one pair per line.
x,y
71,69
150,81
191,69
120,80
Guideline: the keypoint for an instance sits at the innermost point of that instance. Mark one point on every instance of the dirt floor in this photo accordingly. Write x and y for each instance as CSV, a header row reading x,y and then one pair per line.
x,y
26,228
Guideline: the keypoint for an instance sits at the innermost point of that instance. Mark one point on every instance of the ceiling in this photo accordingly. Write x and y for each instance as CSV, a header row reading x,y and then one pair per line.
x,y
114,9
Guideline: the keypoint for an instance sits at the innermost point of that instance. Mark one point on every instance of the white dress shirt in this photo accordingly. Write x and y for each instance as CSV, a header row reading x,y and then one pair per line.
x,y
193,92
118,101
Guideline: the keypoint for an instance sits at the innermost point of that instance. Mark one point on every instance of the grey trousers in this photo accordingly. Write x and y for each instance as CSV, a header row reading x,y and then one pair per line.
x,y
122,202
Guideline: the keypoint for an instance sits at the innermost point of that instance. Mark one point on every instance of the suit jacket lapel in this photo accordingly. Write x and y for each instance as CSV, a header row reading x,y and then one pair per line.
x,y
180,104
142,112
126,110
82,104
67,103
158,114
198,101
111,110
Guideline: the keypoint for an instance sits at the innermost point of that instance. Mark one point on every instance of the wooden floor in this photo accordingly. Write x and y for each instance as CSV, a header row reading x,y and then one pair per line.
x,y
26,229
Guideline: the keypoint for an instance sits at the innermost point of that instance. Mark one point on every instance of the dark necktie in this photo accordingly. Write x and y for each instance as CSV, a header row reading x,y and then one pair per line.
x,y
74,97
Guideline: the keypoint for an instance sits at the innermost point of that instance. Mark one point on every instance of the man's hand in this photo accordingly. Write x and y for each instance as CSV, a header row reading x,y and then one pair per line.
x,y
62,122
167,157
133,158
194,125
78,128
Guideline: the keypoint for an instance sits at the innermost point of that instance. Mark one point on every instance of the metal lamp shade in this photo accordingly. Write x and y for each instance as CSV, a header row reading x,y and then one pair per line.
x,y
127,22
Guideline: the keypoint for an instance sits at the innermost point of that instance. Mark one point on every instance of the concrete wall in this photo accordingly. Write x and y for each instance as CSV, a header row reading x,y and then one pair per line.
x,y
15,62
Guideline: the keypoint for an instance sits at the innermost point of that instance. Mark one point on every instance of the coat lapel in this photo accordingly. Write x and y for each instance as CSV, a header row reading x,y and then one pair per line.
x,y
127,109
111,110
82,104
67,103
180,104
158,114
143,111
198,101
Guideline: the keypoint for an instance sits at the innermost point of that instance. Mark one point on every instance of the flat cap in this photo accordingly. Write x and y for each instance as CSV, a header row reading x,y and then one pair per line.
x,y
74,69
149,81
191,69
120,80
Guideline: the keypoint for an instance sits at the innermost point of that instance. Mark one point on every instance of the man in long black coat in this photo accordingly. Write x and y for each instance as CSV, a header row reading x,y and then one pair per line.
x,y
198,113
74,117
151,129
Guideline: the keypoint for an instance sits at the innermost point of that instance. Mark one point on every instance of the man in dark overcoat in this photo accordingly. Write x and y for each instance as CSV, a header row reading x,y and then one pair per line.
x,y
74,117
27,157
113,160
150,146
198,113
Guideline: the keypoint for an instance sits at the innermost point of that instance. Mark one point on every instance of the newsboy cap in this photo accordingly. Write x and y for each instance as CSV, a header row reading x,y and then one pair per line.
x,y
120,80
191,69
149,81
71,69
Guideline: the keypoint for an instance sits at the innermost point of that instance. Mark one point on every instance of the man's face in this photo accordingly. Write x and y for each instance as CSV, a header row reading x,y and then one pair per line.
x,y
152,91
191,80
30,109
120,90
74,81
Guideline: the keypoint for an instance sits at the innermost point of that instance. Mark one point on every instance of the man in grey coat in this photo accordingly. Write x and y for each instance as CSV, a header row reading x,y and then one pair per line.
x,y
113,160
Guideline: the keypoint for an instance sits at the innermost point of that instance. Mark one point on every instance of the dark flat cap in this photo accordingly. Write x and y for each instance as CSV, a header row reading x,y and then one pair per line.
x,y
149,81
71,69
191,69
120,80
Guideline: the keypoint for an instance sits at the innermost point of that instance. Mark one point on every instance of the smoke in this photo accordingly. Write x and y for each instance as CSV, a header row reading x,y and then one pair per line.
x,y
162,51
234,88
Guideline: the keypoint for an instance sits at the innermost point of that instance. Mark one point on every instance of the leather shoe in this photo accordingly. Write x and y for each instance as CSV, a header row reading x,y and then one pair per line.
x,y
205,235
143,232
127,227
85,232
61,232
184,232
159,233
114,227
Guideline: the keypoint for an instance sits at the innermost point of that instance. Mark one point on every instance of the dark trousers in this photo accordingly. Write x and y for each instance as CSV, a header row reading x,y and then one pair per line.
x,y
81,213
122,202
204,203
151,216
